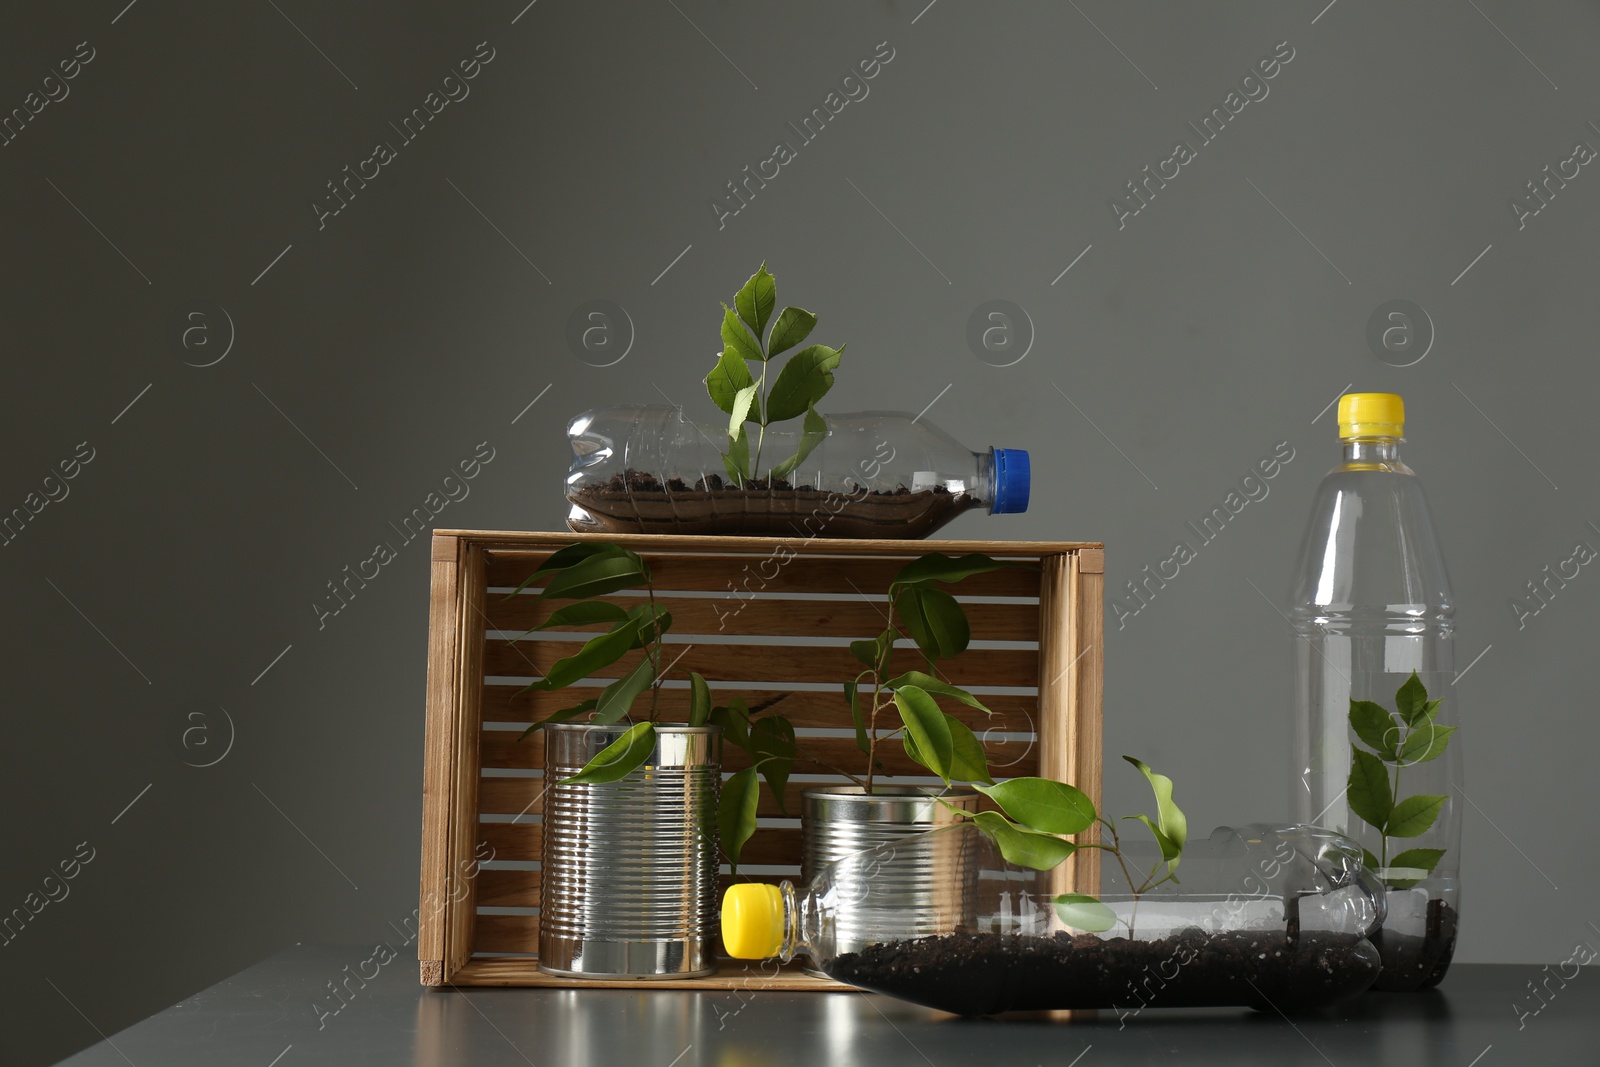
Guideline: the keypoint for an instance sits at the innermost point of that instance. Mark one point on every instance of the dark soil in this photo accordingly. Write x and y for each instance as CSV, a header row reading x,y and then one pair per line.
x,y
1414,959
980,974
638,502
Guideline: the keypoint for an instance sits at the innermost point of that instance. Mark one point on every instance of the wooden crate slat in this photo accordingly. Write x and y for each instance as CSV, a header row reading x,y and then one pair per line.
x,y
521,841
1058,606
1013,712
734,974
501,750
741,576
524,796
855,618
499,888
507,933
767,663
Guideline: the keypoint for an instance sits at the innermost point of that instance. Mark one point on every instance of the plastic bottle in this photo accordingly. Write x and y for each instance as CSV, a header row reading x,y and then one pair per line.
x,y
1270,917
1371,605
647,469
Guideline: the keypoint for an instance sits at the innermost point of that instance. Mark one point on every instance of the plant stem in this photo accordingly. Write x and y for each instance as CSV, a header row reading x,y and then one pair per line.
x,y
652,650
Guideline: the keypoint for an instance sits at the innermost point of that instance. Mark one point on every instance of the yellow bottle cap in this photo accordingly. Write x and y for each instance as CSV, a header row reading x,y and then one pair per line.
x,y
752,921
1371,415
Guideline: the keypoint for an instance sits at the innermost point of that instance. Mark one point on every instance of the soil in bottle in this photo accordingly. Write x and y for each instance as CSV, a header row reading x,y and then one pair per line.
x,y
980,974
638,502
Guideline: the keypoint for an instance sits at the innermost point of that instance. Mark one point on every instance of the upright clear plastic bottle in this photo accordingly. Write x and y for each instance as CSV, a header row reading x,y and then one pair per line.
x,y
1375,703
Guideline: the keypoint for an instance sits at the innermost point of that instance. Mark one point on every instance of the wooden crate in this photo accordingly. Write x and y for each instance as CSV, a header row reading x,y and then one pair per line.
x,y
737,603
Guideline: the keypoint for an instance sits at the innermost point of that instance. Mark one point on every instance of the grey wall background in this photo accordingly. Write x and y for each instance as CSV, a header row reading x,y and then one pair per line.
x,y
172,588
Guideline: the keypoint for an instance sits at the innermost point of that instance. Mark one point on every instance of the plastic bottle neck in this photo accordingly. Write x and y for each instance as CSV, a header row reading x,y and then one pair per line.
x,y
1371,449
1373,454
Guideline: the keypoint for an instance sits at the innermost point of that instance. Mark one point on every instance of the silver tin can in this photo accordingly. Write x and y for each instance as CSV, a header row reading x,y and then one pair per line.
x,y
629,880
840,820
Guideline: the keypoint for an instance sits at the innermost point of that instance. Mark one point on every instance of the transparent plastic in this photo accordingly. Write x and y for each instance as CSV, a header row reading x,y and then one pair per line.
x,y
1371,604
1267,917
648,469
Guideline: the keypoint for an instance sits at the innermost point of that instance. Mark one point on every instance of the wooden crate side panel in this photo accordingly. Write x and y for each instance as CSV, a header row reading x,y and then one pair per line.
x,y
470,620
1088,613
438,760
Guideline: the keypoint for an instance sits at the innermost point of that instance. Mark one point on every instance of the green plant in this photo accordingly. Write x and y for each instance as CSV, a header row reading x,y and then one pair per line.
x,y
746,397
934,620
584,571
1397,742
1037,814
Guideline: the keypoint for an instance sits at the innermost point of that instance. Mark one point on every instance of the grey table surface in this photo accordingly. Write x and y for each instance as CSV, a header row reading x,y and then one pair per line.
x,y
280,1013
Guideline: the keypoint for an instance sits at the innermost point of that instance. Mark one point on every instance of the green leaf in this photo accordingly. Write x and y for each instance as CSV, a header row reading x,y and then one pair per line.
x,y
852,692
583,613
968,763
792,327
596,576
865,652
1025,848
1425,742
564,715
934,620
738,458
938,567
938,688
1370,861
616,699
1413,816
1172,823
815,429
1411,700
650,621
699,700
620,758
735,722
741,410
736,813
1375,726
1170,849
1043,804
756,300
1083,912
772,744
730,375
1414,859
928,726
597,652
1429,710
1368,789
566,557
736,339
804,380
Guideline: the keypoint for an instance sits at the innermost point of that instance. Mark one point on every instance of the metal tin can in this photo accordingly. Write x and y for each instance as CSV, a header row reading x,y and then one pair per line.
x,y
629,879
840,820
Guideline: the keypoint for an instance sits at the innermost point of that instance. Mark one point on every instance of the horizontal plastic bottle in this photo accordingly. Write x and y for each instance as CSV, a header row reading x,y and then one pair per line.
x,y
648,469
1372,607
1271,917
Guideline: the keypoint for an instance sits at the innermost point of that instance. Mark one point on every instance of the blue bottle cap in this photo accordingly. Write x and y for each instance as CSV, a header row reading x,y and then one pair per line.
x,y
1012,476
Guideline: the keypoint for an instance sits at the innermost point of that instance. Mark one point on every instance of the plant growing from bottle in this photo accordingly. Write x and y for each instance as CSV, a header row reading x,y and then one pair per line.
x,y
1398,740
749,398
